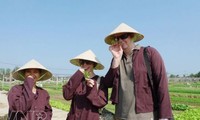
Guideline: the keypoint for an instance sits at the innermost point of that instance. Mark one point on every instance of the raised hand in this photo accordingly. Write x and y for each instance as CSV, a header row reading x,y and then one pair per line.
x,y
117,53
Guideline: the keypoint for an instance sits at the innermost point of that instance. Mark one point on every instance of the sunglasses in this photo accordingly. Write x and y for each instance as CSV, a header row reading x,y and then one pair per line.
x,y
122,37
82,62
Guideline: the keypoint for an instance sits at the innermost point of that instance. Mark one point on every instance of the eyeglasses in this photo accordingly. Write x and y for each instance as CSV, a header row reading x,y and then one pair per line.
x,y
82,62
122,37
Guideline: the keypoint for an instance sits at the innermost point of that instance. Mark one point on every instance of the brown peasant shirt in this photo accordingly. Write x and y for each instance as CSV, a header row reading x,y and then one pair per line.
x,y
86,101
25,105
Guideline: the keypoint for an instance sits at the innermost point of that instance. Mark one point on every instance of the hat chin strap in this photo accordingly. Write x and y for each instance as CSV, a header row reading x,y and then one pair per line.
x,y
21,76
38,79
42,76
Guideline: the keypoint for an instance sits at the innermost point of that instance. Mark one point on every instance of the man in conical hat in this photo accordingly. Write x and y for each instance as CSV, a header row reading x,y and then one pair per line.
x,y
136,96
85,88
28,101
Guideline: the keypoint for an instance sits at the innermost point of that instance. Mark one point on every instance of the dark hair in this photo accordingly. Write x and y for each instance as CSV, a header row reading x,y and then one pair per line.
x,y
81,61
131,35
95,64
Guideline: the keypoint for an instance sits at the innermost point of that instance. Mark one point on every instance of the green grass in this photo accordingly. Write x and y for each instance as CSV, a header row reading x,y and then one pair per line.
x,y
180,93
186,100
60,104
57,100
184,90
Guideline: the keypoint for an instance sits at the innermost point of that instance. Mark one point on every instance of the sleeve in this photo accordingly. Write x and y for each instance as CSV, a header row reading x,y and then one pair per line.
x,y
161,83
70,87
112,81
111,77
98,97
48,108
20,98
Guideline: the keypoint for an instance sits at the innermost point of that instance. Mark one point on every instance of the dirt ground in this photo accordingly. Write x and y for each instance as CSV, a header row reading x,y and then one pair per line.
x,y
57,113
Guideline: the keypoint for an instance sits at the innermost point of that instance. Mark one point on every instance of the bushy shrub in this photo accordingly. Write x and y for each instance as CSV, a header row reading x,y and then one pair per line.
x,y
180,107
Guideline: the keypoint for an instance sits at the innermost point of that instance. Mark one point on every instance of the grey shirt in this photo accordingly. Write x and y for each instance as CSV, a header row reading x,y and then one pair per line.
x,y
125,109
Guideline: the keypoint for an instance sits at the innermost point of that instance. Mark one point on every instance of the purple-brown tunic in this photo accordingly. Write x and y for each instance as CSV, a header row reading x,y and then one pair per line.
x,y
86,101
25,105
143,94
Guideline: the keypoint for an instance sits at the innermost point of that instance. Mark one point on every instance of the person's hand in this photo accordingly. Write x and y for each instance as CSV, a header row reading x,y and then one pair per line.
x,y
90,82
31,76
116,51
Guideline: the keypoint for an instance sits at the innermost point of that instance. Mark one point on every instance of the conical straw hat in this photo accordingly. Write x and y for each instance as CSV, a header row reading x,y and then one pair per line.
x,y
45,74
88,55
123,28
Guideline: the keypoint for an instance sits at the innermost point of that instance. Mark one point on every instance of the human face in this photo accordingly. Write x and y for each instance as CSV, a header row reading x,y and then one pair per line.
x,y
122,37
124,40
87,65
35,73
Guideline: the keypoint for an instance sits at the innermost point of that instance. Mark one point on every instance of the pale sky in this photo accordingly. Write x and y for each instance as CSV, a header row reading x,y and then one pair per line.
x,y
54,31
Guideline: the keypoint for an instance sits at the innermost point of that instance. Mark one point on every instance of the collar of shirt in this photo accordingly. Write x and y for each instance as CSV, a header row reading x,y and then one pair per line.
x,y
137,47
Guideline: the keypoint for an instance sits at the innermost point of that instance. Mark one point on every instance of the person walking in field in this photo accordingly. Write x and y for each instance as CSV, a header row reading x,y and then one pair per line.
x,y
134,96
27,101
85,88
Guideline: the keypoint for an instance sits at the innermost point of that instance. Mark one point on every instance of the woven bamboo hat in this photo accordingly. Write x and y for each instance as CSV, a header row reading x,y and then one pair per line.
x,y
32,64
123,28
87,55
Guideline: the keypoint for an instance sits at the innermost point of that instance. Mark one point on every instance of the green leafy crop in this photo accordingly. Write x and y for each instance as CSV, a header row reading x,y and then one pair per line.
x,y
86,74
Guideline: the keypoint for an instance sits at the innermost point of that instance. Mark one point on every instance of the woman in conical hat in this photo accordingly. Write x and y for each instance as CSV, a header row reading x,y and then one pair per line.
x,y
28,101
135,96
85,88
